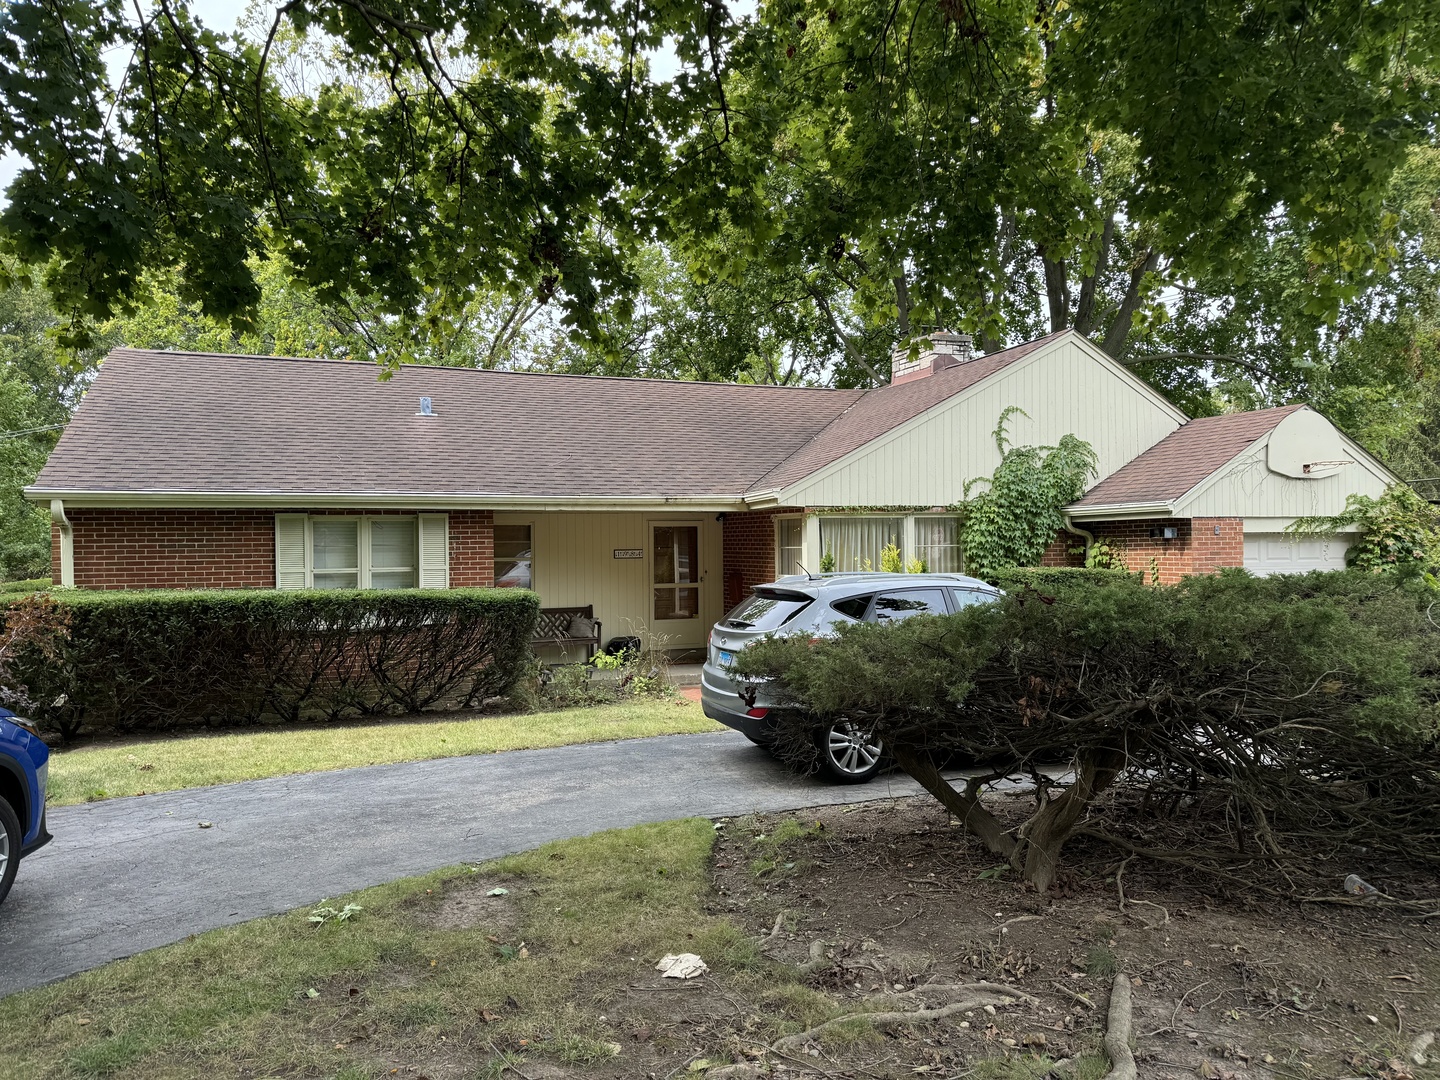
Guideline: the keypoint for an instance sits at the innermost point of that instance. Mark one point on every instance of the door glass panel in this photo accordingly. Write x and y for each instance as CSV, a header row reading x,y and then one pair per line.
x,y
336,555
676,560
897,606
681,603
513,557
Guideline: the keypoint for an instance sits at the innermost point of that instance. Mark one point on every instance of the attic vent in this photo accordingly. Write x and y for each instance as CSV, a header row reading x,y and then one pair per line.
x,y
425,409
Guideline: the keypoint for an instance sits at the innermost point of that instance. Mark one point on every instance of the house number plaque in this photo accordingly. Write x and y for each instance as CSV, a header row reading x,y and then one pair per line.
x,y
629,553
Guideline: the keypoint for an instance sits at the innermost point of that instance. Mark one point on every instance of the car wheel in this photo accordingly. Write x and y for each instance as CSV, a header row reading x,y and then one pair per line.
x,y
10,839
848,753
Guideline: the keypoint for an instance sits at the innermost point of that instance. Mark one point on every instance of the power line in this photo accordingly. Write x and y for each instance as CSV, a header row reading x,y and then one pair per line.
x,y
29,431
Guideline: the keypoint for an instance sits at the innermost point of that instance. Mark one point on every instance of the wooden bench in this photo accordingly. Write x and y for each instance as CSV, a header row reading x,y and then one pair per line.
x,y
553,628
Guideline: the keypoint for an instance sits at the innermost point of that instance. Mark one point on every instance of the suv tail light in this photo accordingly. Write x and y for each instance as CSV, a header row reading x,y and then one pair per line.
x,y
758,714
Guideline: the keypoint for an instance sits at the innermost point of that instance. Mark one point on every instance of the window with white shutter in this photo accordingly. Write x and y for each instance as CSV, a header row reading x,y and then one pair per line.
x,y
292,551
371,552
434,551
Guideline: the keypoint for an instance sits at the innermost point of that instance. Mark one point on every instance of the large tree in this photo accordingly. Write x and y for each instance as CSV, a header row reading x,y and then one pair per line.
x,y
1030,166
987,163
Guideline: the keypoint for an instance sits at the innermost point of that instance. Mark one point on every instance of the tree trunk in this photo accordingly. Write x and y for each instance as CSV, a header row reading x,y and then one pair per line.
x,y
1038,855
1120,328
966,806
902,305
1057,291
1085,310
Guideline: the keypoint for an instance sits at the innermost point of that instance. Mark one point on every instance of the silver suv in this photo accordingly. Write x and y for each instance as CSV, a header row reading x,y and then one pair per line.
x,y
815,605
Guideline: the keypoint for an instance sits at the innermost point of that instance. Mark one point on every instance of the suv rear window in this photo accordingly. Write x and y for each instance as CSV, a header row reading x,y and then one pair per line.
x,y
766,609
898,606
853,607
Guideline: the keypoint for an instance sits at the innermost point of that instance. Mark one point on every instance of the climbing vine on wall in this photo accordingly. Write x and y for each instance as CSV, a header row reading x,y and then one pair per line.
x,y
1012,521
1398,533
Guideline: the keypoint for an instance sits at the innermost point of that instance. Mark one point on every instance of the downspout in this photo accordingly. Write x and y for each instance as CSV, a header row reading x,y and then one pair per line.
x,y
1089,538
67,543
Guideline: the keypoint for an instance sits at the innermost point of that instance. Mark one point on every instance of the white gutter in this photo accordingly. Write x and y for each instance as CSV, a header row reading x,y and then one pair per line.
x,y
1121,511
67,543
1088,537
381,500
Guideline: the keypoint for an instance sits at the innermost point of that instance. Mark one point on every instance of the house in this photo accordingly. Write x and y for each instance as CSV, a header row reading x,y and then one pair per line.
x,y
659,503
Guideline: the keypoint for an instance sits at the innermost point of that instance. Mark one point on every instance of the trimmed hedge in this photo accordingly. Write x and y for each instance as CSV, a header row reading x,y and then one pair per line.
x,y
1054,577
159,660
27,586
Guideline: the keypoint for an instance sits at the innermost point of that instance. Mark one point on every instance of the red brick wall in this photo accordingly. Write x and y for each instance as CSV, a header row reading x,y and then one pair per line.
x,y
223,549
749,550
1199,549
1057,553
472,549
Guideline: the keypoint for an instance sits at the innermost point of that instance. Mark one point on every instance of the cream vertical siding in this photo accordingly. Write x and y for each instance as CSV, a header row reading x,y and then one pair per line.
x,y
1247,488
574,564
1066,388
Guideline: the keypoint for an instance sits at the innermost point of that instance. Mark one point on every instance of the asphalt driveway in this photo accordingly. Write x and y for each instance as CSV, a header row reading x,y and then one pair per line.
x,y
129,874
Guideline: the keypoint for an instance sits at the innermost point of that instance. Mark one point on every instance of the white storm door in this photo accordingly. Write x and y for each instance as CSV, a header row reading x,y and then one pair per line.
x,y
675,577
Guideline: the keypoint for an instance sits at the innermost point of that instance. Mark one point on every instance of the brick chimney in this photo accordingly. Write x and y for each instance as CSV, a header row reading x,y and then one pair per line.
x,y
939,351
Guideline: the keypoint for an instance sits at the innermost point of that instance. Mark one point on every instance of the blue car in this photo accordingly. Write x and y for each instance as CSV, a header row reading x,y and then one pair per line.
x,y
24,765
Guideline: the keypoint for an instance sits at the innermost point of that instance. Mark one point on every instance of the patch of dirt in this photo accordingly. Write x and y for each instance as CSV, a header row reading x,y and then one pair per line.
x,y
468,904
1223,984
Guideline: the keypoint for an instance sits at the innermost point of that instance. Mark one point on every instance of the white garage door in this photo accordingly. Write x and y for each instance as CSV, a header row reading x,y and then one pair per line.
x,y
1277,553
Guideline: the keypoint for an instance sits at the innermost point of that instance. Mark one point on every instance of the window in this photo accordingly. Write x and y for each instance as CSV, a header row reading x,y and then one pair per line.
x,y
514,557
676,553
336,546
390,551
853,607
789,546
963,598
394,549
937,544
855,542
895,607
766,610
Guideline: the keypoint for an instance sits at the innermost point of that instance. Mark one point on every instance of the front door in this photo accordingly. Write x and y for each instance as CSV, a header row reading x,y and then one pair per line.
x,y
675,576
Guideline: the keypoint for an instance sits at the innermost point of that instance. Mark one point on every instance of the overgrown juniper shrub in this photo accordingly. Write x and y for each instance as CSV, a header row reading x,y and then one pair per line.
x,y
1255,716
156,660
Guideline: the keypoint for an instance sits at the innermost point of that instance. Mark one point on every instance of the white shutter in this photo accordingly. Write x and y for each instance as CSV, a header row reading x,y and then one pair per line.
x,y
292,552
434,551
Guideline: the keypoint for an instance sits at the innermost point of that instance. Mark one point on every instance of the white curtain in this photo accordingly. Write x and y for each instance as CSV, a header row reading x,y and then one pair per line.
x,y
937,541
854,541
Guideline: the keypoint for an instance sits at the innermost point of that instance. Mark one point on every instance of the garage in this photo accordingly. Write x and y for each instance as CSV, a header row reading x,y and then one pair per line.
x,y
1279,553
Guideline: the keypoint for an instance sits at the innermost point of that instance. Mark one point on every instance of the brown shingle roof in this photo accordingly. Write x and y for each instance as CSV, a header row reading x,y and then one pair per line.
x,y
1182,459
187,422
162,422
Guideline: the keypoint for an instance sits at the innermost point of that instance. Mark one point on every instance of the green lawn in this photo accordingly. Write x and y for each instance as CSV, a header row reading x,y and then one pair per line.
x,y
168,763
429,969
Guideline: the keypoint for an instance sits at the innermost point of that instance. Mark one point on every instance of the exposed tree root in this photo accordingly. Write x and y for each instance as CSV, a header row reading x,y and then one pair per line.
x,y
818,960
973,996
767,939
1118,1031
1418,1047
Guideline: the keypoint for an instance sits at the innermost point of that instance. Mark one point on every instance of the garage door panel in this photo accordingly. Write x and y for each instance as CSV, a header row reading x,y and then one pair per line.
x,y
1277,553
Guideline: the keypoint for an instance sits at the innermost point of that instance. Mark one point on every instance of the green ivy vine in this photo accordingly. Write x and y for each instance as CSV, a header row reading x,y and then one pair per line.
x,y
1015,518
1398,533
